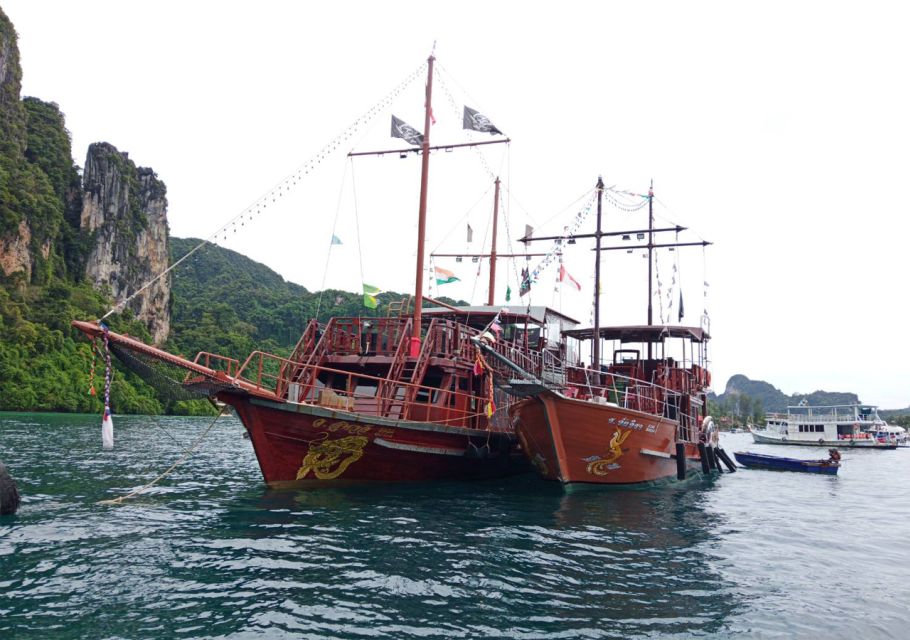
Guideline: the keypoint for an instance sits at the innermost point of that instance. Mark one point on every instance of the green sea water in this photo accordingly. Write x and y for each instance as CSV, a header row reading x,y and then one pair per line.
x,y
211,552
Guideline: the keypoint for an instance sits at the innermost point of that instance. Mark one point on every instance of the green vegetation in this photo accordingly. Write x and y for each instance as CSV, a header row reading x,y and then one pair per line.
x,y
225,303
736,409
45,364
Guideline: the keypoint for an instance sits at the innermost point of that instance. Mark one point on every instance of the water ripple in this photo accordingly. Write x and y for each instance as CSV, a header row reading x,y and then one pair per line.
x,y
212,553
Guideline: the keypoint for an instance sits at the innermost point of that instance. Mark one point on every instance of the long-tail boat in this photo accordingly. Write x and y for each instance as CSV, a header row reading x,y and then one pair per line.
x,y
395,398
638,416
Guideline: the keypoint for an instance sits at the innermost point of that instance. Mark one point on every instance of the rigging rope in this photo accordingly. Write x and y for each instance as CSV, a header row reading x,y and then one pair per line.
x,y
460,220
357,225
328,256
284,185
180,461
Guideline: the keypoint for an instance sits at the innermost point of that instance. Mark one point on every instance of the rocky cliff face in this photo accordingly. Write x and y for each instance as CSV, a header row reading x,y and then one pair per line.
x,y
115,235
125,207
12,115
15,234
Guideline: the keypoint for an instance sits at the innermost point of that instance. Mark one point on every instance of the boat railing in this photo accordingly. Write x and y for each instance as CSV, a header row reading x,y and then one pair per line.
x,y
370,335
815,418
359,393
228,366
627,392
552,368
533,362
447,339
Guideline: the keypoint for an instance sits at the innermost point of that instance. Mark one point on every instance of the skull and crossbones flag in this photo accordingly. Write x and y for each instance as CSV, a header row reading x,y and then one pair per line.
x,y
478,122
401,129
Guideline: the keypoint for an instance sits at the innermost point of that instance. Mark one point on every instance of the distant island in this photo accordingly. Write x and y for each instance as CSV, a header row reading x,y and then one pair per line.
x,y
747,401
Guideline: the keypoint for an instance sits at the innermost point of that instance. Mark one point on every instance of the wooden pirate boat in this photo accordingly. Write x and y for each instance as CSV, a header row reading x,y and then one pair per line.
x,y
637,417
399,398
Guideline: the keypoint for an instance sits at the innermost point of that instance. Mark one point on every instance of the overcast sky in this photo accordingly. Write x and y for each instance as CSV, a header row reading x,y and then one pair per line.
x,y
776,130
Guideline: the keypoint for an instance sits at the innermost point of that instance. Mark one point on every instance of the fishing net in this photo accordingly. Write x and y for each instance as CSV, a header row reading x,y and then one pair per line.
x,y
170,380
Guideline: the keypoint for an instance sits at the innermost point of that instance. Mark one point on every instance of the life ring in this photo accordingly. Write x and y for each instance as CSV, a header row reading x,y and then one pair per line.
x,y
821,441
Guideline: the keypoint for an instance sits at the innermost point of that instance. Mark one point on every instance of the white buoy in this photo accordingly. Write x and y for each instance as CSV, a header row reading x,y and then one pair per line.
x,y
107,430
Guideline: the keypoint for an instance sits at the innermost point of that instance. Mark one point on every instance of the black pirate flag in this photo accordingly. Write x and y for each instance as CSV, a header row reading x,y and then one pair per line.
x,y
478,122
401,129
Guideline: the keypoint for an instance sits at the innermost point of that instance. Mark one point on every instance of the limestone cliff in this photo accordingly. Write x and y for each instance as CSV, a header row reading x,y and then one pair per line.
x,y
125,208
15,233
12,115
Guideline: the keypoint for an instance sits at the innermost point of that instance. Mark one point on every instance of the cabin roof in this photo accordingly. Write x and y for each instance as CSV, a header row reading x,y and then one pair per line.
x,y
538,315
641,333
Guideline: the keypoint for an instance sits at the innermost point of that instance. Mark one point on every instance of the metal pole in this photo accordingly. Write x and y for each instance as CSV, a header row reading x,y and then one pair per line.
x,y
422,216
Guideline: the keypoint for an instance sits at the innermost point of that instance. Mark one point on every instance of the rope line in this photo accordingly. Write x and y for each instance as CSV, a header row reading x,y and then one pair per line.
x,y
180,461
284,185
328,255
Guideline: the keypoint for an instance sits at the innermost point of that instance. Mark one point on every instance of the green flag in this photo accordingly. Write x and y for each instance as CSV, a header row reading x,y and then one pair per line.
x,y
508,293
369,296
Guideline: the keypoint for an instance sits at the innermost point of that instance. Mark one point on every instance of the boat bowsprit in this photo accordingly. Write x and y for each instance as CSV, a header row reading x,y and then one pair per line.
x,y
827,466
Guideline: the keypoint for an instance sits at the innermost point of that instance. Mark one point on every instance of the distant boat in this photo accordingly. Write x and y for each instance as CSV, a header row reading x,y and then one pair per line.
x,y
890,433
847,425
778,463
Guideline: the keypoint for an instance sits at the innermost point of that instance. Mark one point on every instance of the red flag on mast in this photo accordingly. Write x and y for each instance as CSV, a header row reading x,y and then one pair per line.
x,y
564,275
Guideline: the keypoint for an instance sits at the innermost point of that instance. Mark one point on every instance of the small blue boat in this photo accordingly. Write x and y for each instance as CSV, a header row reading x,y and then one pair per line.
x,y
778,463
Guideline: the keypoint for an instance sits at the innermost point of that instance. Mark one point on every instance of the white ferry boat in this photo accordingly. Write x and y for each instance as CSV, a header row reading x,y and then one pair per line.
x,y
849,425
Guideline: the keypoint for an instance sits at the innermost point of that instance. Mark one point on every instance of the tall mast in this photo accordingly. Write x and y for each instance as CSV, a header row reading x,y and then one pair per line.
x,y
650,259
422,215
493,248
595,356
650,253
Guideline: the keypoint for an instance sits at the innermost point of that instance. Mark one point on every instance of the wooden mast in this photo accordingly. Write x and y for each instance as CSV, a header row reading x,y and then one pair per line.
x,y
493,255
650,260
650,254
493,247
595,356
422,215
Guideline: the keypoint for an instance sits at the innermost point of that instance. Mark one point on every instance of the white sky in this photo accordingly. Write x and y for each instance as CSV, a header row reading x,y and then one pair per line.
x,y
777,130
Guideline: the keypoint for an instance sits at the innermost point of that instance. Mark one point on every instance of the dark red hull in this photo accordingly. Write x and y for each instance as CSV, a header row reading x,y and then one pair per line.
x,y
299,443
575,441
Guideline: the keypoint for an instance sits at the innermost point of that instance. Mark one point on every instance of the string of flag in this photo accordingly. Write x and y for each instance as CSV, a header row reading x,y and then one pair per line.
x,y
530,276
284,186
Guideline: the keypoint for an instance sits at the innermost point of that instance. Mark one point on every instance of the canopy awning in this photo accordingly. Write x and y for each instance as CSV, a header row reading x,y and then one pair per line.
x,y
641,333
